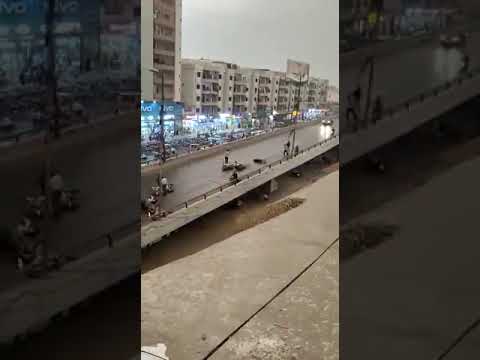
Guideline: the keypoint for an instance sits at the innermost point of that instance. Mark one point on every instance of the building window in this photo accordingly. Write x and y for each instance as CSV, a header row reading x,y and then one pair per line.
x,y
229,109
255,99
246,89
277,82
199,74
198,86
231,78
220,76
230,98
218,109
230,88
256,80
276,91
219,88
256,90
197,110
219,98
198,98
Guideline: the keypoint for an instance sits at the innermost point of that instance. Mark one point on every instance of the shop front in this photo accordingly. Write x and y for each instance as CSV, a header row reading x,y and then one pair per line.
x,y
150,119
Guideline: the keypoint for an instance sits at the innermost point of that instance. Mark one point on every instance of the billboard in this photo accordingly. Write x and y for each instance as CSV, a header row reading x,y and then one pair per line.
x,y
298,71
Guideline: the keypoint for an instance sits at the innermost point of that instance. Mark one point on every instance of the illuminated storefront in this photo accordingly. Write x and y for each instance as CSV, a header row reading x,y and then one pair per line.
x,y
150,119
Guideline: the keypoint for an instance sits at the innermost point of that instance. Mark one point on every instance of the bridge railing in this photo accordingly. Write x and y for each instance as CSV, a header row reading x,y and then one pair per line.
x,y
244,177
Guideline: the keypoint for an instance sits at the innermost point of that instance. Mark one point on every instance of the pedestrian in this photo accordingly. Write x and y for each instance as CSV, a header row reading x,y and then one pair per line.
x,y
353,106
164,185
227,155
377,110
285,150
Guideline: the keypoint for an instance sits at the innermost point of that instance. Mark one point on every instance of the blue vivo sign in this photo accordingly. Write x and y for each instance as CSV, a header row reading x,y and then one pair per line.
x,y
150,108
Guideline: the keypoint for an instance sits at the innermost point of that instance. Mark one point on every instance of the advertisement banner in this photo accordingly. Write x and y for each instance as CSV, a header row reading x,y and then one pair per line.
x,y
298,71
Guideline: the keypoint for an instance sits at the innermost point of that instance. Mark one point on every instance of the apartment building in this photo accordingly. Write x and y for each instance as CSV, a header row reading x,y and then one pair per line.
x,y
207,86
161,49
212,87
333,95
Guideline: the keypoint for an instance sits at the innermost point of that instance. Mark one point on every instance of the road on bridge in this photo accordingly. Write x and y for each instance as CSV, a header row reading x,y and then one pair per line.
x,y
202,175
105,170
411,72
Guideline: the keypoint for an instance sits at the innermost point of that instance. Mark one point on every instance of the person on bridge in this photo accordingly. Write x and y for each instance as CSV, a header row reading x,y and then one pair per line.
x,y
164,185
227,155
353,108
377,110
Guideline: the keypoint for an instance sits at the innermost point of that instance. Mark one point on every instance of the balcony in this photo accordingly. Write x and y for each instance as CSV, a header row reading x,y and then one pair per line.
x,y
212,100
239,99
282,99
263,100
240,89
164,67
164,52
241,79
264,81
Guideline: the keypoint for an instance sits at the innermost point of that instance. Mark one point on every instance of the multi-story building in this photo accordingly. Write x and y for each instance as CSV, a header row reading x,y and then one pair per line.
x,y
161,49
207,86
332,95
211,87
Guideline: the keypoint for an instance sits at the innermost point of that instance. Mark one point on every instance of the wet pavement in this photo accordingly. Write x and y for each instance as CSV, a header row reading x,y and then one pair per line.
x,y
203,175
411,72
101,168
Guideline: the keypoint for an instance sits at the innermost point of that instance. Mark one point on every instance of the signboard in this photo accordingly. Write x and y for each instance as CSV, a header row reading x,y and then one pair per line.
x,y
150,116
298,71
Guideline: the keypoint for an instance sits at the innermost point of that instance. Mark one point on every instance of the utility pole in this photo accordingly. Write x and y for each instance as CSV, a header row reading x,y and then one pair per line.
x,y
52,101
298,114
162,123
370,64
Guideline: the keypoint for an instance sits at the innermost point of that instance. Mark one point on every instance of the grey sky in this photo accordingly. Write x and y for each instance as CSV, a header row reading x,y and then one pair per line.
x,y
264,33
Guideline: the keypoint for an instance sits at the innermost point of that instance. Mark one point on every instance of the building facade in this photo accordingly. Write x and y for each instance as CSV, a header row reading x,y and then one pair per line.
x,y
213,87
333,95
161,49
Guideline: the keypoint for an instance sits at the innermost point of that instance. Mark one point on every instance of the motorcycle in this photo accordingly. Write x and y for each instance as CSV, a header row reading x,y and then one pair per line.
x,y
36,206
68,200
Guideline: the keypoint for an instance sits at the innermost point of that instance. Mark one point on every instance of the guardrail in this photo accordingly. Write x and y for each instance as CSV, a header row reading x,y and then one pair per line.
x,y
109,239
247,176
421,98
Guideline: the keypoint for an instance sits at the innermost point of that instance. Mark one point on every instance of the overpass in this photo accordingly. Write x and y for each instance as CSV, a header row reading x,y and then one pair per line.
x,y
405,117
416,86
201,186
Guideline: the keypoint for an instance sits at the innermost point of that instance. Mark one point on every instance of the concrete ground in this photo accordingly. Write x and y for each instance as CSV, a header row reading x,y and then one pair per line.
x,y
301,323
213,292
413,295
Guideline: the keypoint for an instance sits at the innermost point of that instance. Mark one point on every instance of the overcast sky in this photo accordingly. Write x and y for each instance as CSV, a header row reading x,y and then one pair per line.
x,y
264,33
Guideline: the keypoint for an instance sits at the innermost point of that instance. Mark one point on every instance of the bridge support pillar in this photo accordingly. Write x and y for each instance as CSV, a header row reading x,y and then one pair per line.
x,y
271,186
